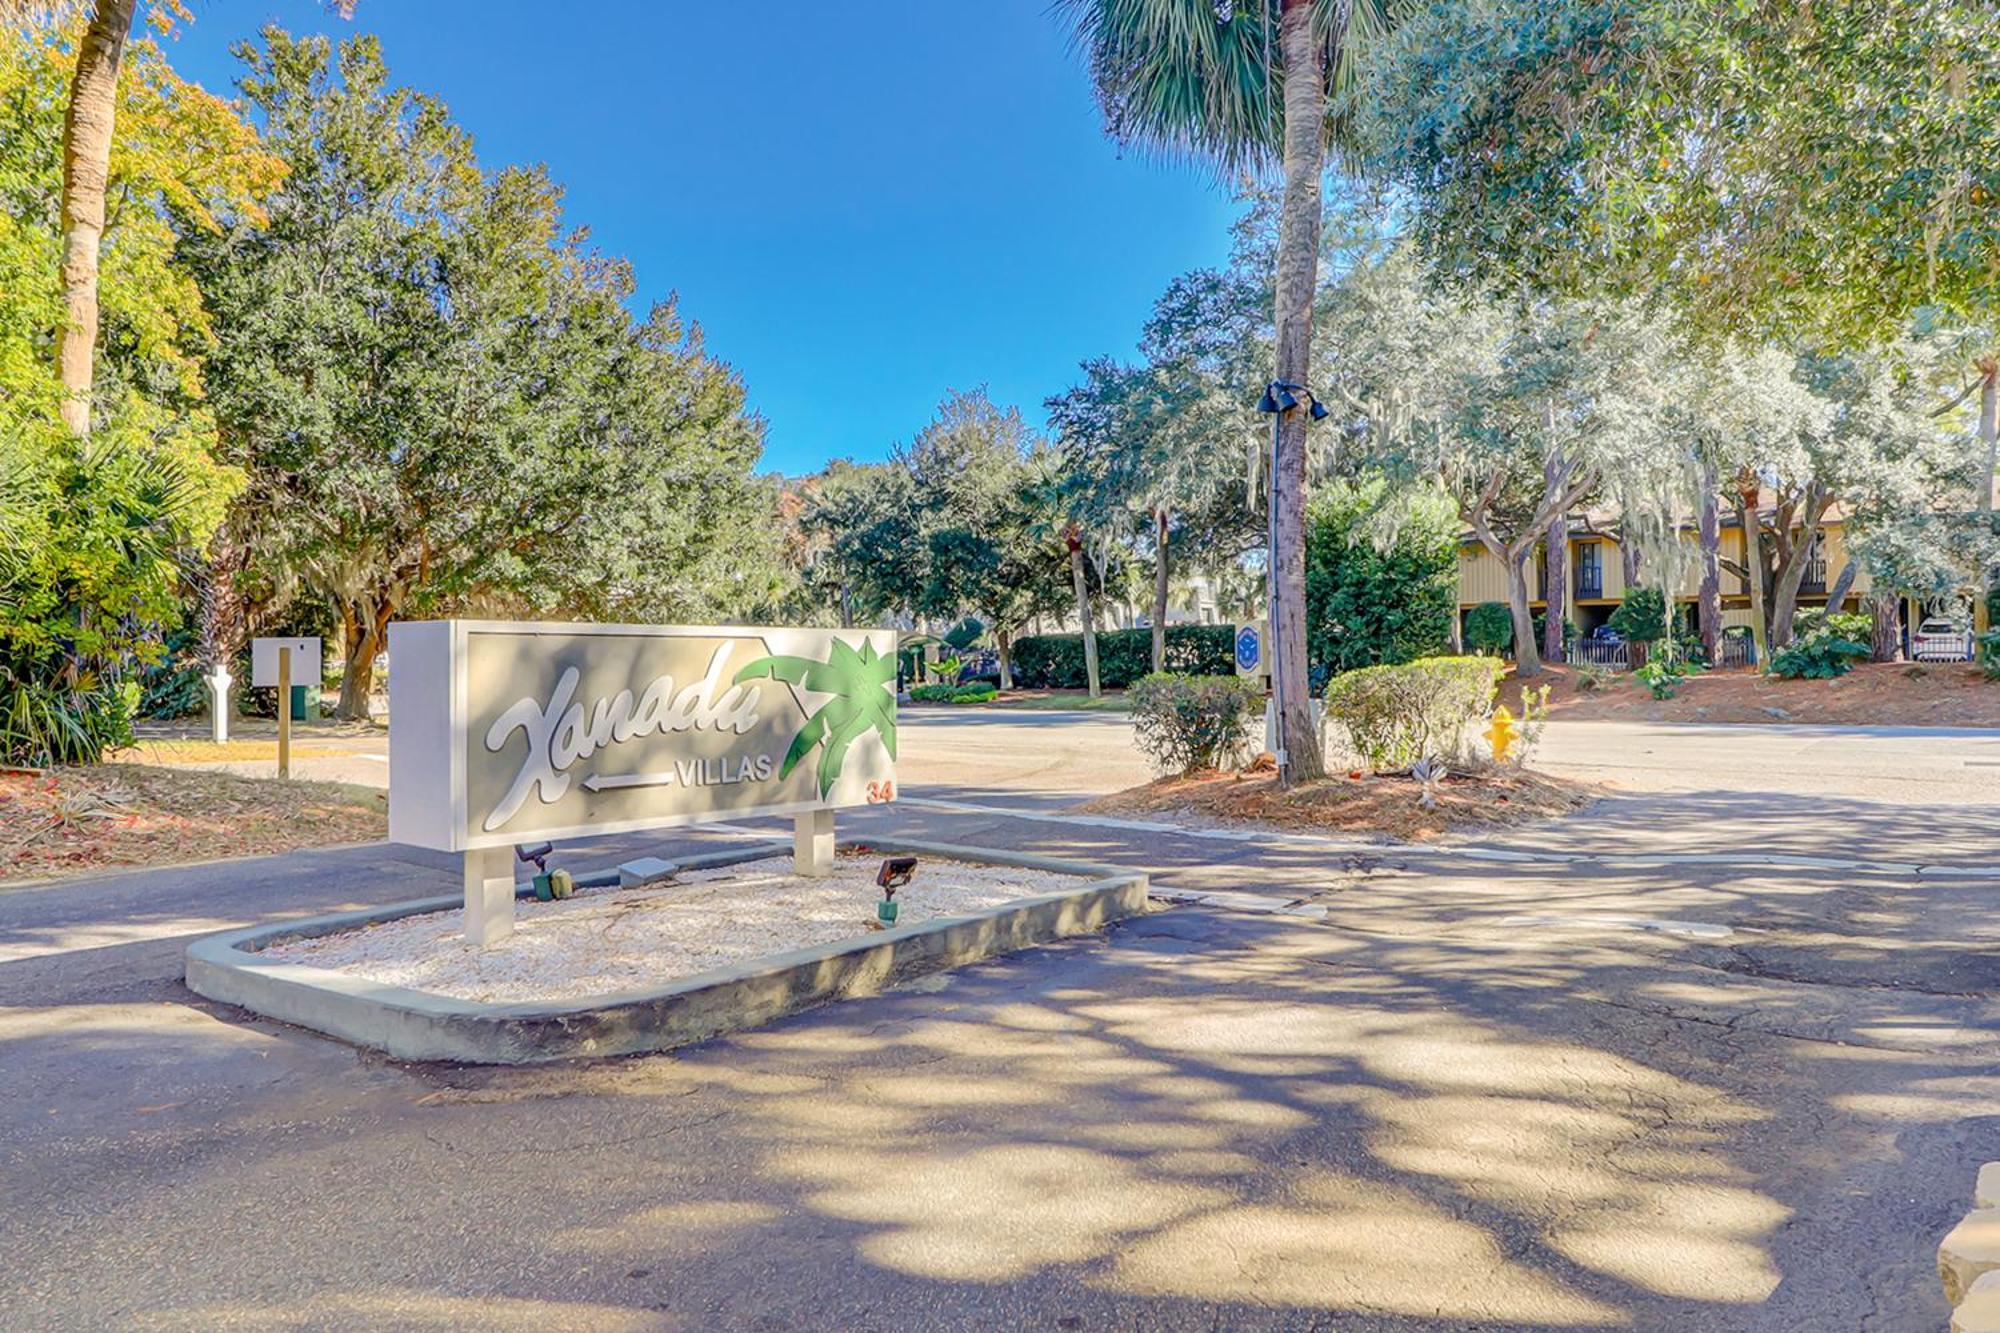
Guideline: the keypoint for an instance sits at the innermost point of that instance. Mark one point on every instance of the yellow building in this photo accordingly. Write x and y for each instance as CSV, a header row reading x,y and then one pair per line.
x,y
1597,574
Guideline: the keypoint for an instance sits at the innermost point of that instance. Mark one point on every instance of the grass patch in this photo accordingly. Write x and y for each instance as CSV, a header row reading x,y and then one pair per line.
x,y
1384,804
146,751
1051,701
79,821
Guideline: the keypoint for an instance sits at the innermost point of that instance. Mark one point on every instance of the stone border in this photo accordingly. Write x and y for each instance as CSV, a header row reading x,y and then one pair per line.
x,y
419,1025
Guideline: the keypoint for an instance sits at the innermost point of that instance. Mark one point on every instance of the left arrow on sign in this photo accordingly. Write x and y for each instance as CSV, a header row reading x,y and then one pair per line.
x,y
598,782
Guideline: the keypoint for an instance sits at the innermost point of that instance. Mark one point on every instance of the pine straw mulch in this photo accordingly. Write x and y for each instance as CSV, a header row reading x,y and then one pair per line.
x,y
1903,694
1384,804
76,821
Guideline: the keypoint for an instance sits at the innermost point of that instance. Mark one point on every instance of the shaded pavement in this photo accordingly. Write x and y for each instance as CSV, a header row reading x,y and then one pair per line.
x,y
1613,1092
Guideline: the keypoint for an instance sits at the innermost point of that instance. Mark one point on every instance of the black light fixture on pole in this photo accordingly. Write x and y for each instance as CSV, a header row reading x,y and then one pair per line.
x,y
1279,397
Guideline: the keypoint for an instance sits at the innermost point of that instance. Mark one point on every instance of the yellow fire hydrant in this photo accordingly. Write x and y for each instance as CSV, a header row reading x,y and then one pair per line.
x,y
1502,734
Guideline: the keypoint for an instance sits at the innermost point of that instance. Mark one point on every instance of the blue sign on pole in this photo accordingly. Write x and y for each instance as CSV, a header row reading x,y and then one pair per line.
x,y
1249,648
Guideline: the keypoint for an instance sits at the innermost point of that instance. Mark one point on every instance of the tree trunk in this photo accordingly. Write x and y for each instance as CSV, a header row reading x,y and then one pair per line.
x,y
364,631
223,629
1083,618
1708,601
846,608
1989,439
1989,432
1885,640
1753,572
1785,588
1160,575
1556,570
1836,592
1299,226
87,131
1628,560
1004,641
1526,661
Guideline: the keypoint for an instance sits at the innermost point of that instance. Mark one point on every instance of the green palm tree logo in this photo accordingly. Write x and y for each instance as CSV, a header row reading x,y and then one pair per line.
x,y
864,700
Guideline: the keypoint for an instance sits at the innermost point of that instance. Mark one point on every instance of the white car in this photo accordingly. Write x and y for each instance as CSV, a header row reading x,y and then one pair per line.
x,y
1938,640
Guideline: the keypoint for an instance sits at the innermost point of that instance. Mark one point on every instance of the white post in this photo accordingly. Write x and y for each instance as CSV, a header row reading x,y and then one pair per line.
x,y
812,843
219,682
489,895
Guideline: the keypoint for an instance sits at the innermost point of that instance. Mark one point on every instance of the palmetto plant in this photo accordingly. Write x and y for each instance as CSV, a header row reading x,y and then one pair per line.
x,y
862,684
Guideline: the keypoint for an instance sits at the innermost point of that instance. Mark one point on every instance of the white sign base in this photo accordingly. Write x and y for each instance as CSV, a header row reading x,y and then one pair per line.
x,y
489,895
812,843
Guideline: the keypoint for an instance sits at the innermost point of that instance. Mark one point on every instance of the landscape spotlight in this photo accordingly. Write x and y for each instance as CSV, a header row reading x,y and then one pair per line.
x,y
1319,412
1267,403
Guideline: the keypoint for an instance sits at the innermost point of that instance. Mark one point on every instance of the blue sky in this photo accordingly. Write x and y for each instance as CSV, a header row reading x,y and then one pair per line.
x,y
858,213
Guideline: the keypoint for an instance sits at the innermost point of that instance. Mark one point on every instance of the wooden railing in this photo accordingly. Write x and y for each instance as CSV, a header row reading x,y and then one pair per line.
x,y
1601,653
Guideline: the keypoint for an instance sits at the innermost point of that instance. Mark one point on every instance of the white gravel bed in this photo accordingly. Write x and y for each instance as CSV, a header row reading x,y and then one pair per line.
x,y
605,941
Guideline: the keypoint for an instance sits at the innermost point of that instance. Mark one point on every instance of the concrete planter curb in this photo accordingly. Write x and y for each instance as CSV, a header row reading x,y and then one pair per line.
x,y
418,1025
1969,1259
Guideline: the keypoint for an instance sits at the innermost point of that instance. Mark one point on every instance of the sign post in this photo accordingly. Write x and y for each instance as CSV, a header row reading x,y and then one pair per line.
x,y
284,712
276,662
511,732
219,682
1253,659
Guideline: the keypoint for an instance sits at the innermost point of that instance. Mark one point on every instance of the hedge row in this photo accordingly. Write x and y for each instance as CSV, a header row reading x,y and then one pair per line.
x,y
975,692
1055,661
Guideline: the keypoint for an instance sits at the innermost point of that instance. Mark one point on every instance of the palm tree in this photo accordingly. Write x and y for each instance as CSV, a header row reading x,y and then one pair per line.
x,y
863,688
88,126
1245,83
1053,500
87,130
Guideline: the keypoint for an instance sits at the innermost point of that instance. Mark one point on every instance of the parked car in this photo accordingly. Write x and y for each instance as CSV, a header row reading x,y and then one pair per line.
x,y
1939,640
1606,634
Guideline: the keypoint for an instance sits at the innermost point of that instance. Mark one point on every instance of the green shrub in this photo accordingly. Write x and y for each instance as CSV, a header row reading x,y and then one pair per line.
x,y
1821,657
976,692
1813,621
1055,661
177,685
1662,673
43,725
1638,617
1989,654
1367,604
1489,628
1397,715
1184,722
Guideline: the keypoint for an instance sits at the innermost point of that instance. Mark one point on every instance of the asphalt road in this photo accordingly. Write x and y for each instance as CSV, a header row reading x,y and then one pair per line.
x,y
1091,753
1721,1057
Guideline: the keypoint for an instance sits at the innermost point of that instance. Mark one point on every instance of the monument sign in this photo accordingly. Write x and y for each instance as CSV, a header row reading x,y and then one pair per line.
x,y
518,732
